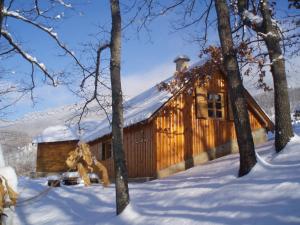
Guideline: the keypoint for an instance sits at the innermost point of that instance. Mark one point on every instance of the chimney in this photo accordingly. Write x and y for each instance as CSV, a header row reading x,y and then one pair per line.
x,y
182,63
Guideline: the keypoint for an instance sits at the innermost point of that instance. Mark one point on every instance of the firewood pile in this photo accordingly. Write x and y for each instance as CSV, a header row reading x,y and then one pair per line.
x,y
82,161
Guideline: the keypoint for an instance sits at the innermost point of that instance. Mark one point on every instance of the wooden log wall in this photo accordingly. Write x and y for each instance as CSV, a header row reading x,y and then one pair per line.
x,y
51,157
138,146
180,135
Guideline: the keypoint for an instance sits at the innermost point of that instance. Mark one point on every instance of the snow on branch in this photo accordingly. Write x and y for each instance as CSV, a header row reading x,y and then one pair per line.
x,y
48,30
32,60
269,34
253,19
62,2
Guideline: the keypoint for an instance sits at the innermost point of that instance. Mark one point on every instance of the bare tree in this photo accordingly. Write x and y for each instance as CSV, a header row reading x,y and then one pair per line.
x,y
34,15
236,90
122,193
269,31
94,81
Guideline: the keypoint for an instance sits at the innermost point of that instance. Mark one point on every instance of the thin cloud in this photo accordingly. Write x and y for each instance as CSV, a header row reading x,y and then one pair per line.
x,y
136,83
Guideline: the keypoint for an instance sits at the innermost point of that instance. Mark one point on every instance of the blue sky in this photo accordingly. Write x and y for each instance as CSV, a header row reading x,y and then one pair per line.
x,y
146,60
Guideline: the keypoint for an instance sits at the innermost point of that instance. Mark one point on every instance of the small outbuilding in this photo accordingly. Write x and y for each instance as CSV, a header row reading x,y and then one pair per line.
x,y
54,145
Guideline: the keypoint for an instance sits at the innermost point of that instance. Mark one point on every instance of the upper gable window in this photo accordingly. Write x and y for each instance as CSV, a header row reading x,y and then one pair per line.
x,y
209,104
215,103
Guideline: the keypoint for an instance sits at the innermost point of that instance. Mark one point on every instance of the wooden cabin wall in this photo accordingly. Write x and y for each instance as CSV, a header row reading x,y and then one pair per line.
x,y
51,157
138,147
180,135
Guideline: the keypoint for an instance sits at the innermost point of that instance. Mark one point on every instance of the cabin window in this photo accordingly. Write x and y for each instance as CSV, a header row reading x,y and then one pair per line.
x,y
105,150
215,105
140,137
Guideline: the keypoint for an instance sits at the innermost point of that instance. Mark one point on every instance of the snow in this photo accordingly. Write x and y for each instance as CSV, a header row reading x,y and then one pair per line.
x,y
46,29
139,108
65,132
11,176
64,4
54,177
2,162
254,19
207,194
57,133
8,172
70,175
12,13
136,110
93,176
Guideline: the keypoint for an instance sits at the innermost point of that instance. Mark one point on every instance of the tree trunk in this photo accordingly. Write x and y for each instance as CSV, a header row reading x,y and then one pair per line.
x,y
236,90
121,175
1,15
272,38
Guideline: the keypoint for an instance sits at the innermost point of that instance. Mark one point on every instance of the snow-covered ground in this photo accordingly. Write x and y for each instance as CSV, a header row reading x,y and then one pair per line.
x,y
207,194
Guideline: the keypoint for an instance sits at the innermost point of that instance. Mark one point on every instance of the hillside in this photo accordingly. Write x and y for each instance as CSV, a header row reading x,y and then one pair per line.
x,y
16,136
266,100
207,194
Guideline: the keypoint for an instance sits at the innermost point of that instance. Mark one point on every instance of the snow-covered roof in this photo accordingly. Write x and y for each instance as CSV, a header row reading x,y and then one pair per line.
x,y
136,110
57,133
66,132
139,108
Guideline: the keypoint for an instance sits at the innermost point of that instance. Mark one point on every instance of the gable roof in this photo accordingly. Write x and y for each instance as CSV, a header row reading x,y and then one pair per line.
x,y
138,109
65,132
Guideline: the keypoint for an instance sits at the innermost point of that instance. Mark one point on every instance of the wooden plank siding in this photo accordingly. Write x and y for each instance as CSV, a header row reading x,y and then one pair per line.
x,y
138,147
51,156
180,135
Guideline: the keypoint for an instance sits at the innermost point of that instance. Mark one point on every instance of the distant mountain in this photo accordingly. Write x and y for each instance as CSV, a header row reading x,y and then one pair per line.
x,y
34,123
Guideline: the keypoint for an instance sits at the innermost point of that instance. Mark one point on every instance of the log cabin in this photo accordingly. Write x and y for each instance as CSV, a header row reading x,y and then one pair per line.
x,y
53,147
166,133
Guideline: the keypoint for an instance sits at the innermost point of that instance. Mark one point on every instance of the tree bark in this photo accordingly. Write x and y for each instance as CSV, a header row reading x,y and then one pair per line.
x,y
272,38
121,175
1,15
283,126
236,90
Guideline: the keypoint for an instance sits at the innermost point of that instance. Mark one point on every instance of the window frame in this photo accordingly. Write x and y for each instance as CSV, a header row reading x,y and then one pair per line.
x,y
105,150
212,105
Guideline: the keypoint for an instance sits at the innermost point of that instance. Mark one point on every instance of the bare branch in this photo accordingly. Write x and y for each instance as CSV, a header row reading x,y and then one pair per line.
x,y
27,57
7,52
49,31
